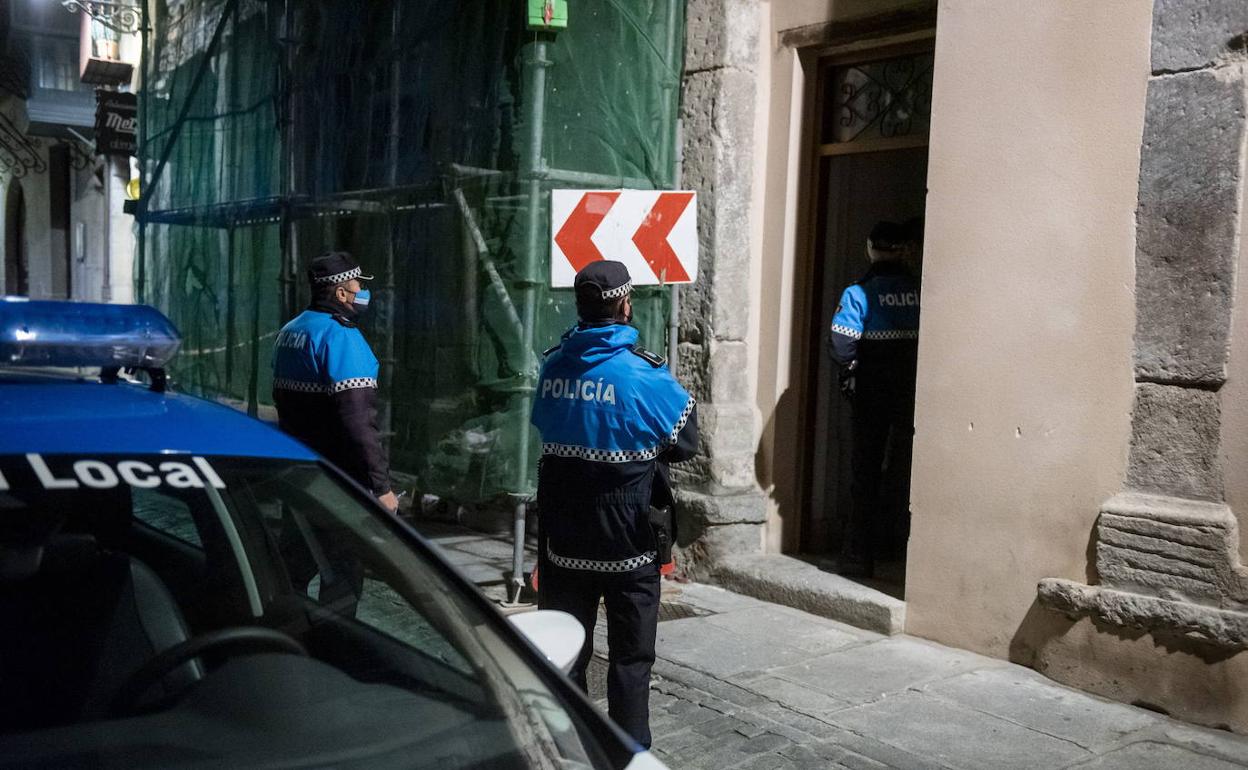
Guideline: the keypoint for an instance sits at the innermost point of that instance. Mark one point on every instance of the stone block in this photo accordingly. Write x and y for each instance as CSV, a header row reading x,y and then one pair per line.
x,y
1132,569
732,471
1184,550
727,429
1186,227
711,510
721,33
787,581
729,373
1220,628
720,542
1175,436
1189,34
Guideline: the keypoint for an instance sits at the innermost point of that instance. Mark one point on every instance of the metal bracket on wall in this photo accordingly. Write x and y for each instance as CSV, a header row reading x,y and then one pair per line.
x,y
18,152
119,17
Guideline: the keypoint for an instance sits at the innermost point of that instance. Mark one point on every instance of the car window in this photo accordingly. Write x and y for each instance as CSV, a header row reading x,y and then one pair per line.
x,y
401,660
165,513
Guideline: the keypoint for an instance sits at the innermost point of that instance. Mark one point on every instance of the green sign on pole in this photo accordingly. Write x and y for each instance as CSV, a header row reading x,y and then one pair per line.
x,y
548,14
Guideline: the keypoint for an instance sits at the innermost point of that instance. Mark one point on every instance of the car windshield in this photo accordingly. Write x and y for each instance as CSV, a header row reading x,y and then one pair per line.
x,y
177,610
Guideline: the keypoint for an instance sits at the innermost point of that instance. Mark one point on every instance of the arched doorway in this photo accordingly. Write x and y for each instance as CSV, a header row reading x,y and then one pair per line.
x,y
16,266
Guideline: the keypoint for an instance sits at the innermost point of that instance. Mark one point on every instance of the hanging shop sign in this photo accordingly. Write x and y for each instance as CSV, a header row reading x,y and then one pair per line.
x,y
653,232
116,122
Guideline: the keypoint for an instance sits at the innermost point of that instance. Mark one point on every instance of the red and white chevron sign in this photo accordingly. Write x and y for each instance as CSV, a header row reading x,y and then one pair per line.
x,y
654,232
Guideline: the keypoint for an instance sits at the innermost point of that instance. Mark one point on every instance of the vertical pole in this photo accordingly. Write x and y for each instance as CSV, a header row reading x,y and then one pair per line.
x,y
535,75
230,303
673,157
385,411
145,95
106,290
290,239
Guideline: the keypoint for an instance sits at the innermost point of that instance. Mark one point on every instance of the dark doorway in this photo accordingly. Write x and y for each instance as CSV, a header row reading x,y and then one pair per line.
x,y
16,265
871,166
59,243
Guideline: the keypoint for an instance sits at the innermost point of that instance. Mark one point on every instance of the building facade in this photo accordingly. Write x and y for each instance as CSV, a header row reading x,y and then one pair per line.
x,y
65,233
1078,464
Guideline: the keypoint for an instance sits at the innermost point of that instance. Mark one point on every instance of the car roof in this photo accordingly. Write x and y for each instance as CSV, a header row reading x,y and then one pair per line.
x,y
53,413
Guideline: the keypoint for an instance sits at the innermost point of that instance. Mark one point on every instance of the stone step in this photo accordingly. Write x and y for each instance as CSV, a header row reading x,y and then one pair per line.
x,y
794,583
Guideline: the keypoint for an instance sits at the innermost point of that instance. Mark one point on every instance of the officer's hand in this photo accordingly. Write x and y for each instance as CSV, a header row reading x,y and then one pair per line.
x,y
390,501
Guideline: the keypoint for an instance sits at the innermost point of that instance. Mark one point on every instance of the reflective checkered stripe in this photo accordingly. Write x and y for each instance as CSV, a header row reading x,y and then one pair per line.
x,y
298,386
353,383
591,565
846,331
680,423
892,334
618,291
346,275
600,455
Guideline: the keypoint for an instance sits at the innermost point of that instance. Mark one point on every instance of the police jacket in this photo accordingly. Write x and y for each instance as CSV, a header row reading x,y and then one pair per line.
x,y
609,414
877,322
325,389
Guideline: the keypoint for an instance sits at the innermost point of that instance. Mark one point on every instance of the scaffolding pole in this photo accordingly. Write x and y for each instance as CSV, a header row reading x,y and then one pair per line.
x,y
535,75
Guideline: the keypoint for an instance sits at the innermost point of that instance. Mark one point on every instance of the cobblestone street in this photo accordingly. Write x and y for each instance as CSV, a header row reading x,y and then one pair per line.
x,y
741,683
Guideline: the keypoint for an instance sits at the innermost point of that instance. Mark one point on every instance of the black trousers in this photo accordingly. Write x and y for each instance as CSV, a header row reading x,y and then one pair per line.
x,y
882,432
632,602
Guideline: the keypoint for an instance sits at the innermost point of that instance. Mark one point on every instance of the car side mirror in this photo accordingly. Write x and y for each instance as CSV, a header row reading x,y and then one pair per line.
x,y
557,635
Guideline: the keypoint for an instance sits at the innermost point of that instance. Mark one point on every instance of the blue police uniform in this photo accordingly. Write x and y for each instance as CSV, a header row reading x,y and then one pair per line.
x,y
610,416
875,331
325,389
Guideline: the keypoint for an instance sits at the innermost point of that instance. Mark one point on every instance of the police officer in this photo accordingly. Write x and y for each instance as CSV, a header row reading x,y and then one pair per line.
x,y
611,416
325,376
875,340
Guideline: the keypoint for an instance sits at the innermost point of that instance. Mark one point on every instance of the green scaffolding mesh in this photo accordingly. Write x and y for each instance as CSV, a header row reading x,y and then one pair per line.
x,y
424,137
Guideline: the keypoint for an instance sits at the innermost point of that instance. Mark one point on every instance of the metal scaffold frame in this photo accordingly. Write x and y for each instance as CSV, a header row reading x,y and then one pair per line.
x,y
502,213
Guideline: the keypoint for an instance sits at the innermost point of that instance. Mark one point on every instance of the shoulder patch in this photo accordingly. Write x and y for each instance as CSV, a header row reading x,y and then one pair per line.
x,y
654,359
551,349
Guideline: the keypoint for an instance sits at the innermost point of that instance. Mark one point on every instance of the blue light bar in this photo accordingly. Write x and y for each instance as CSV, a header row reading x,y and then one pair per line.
x,y
54,333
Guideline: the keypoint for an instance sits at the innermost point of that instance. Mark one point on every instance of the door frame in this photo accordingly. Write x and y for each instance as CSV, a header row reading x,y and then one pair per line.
x,y
809,268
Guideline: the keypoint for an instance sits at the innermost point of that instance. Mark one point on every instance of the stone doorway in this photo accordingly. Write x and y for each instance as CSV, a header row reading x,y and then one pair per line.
x,y
870,157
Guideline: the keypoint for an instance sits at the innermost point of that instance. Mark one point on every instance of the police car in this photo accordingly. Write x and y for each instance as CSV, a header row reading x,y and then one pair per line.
x,y
181,585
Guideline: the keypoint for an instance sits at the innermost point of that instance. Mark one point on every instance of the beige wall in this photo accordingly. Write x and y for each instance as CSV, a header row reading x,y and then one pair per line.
x,y
1025,378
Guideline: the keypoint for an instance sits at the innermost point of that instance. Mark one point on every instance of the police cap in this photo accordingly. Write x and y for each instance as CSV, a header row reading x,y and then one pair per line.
x,y
888,236
605,279
335,267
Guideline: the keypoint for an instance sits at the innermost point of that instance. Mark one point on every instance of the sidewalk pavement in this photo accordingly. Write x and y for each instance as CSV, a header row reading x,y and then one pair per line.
x,y
742,683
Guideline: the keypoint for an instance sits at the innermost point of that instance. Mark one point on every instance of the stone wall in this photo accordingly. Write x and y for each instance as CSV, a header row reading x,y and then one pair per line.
x,y
722,507
1167,547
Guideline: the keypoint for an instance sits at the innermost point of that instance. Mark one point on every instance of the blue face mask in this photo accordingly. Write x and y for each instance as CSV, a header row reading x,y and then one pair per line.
x,y
360,303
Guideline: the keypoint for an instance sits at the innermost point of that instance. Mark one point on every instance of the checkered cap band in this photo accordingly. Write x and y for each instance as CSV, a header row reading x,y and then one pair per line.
x,y
618,291
593,565
346,275
846,331
892,334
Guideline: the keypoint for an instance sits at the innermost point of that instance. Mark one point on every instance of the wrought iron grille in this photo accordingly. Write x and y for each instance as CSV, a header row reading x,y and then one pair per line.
x,y
879,99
